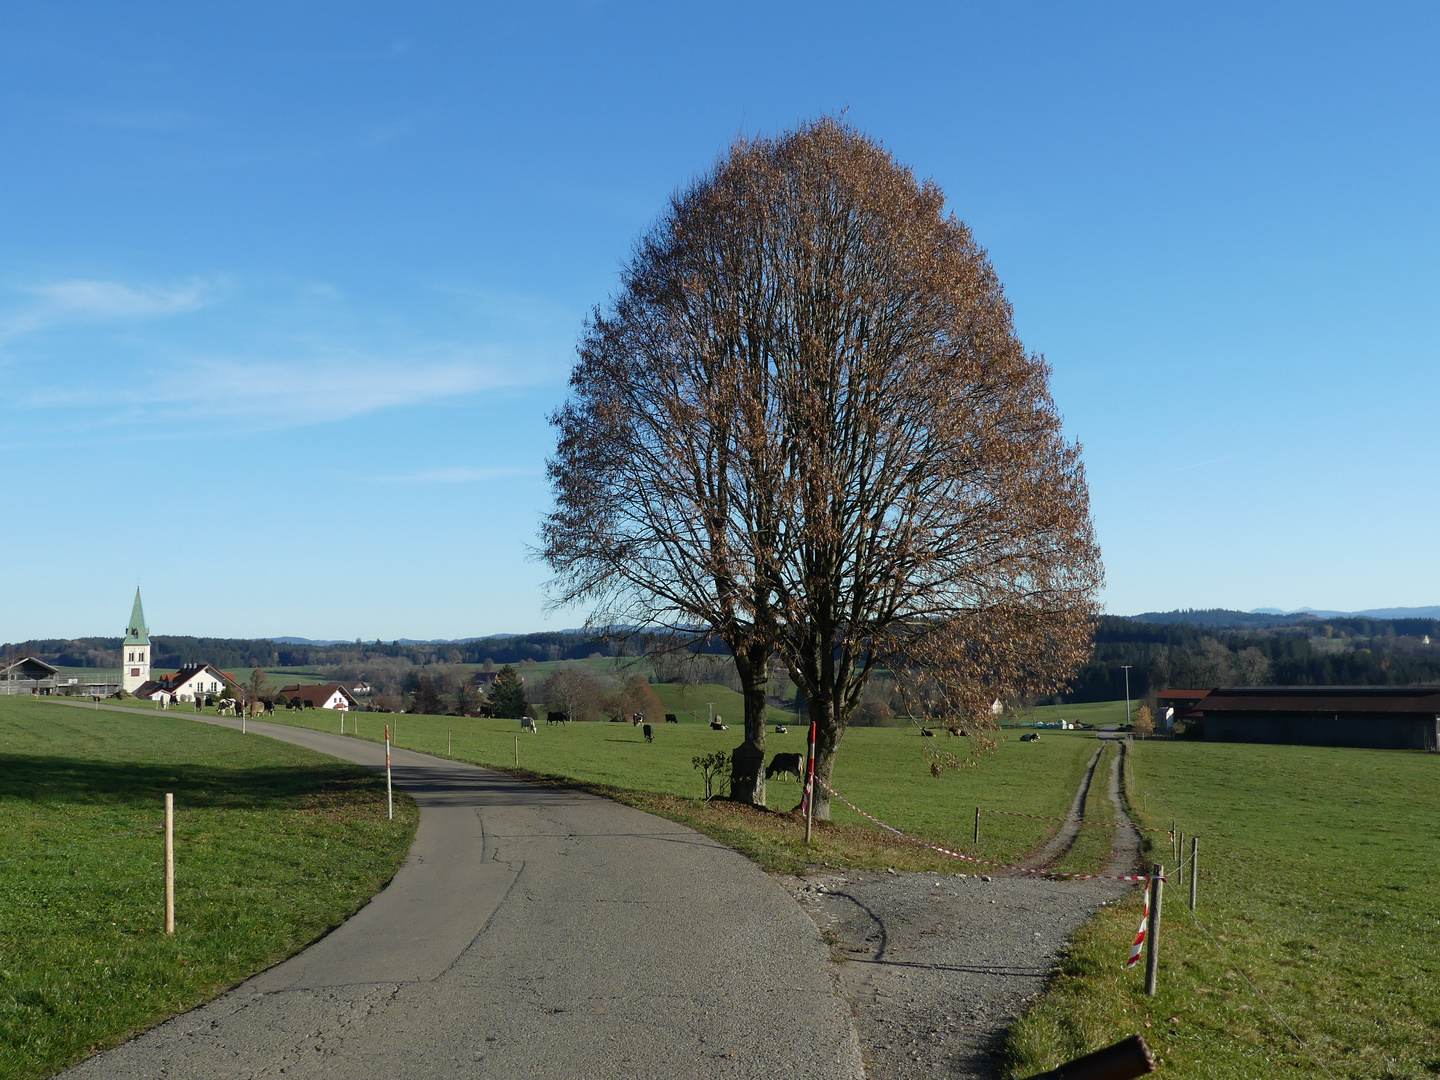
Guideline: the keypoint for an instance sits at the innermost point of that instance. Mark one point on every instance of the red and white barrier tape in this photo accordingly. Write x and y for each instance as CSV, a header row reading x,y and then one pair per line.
x,y
972,858
1078,821
1139,946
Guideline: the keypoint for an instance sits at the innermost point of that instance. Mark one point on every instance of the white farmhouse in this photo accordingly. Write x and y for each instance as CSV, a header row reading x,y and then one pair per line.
x,y
323,696
191,681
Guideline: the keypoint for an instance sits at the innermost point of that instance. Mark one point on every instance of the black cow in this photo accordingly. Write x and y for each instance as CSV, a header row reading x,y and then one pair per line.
x,y
671,718
555,718
786,763
649,733
1032,737
925,731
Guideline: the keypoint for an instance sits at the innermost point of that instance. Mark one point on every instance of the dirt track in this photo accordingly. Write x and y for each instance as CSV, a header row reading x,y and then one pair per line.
x,y
938,966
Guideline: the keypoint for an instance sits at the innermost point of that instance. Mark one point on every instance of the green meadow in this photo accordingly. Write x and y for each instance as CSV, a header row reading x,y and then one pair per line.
x,y
1318,878
275,846
885,771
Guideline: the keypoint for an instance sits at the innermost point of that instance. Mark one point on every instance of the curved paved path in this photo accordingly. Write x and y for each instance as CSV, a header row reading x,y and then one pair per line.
x,y
532,931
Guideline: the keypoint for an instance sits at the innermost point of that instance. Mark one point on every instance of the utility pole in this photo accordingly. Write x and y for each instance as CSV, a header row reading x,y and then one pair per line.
x,y
1127,693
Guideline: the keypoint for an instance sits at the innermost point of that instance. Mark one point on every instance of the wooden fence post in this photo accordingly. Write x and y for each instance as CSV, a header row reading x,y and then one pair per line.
x,y
1152,932
169,862
1194,868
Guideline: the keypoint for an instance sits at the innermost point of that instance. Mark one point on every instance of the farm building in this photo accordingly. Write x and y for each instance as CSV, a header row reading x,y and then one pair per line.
x,y
27,675
190,681
1380,717
323,696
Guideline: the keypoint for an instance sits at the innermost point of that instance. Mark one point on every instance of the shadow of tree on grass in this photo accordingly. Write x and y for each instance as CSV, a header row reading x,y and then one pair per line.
x,y
43,779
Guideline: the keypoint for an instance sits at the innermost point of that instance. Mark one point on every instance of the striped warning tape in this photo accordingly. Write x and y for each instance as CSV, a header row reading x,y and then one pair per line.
x,y
1077,821
972,858
1139,945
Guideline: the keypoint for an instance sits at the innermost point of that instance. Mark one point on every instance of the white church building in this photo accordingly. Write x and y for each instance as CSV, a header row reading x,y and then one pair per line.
x,y
135,650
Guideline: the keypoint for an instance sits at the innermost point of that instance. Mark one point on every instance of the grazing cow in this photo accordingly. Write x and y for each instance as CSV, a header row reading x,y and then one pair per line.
x,y
785,763
927,733
715,725
555,718
1034,736
269,707
780,729
671,718
636,719
527,723
649,733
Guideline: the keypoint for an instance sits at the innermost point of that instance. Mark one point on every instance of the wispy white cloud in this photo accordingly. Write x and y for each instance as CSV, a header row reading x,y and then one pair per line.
x,y
1201,464
88,300
455,475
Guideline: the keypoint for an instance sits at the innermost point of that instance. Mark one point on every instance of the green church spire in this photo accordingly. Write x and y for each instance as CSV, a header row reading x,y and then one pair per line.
x,y
137,633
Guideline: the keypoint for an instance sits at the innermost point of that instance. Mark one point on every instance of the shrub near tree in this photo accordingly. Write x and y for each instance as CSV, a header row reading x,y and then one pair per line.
x,y
507,695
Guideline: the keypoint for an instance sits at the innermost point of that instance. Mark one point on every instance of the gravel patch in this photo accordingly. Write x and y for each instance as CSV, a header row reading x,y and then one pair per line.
x,y
937,966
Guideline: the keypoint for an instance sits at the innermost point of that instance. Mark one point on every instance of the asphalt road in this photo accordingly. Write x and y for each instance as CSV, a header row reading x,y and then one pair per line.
x,y
532,931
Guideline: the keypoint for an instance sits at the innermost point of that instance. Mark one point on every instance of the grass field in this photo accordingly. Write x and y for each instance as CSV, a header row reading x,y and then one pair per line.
x,y
882,770
275,845
1319,870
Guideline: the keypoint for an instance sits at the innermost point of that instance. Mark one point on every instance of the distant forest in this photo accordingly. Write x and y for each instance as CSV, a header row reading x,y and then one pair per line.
x,y
1197,649
226,653
1204,652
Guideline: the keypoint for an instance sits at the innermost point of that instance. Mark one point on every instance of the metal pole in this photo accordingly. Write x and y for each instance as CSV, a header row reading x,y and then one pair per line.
x,y
1194,868
169,862
977,825
447,742
1180,859
517,751
389,791
1127,693
1152,932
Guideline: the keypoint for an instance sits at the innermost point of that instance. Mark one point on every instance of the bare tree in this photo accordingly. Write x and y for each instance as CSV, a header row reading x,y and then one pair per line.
x,y
573,691
808,426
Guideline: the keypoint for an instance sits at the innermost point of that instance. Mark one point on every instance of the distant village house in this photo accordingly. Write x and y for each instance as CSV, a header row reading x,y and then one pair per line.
x,y
323,696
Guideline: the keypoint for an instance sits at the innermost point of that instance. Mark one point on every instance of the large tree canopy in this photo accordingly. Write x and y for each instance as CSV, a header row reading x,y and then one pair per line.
x,y
807,424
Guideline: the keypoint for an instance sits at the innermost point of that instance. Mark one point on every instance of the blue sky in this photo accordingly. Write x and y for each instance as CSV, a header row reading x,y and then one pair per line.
x,y
287,290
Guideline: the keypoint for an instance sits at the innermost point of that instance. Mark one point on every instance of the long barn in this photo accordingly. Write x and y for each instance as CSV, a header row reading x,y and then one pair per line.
x,y
1380,717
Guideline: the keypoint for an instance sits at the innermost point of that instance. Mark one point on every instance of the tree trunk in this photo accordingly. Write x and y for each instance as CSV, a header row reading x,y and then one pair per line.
x,y
827,742
747,763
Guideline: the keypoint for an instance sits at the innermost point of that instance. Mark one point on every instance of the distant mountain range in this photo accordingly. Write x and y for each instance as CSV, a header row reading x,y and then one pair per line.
x,y
1265,618
1370,613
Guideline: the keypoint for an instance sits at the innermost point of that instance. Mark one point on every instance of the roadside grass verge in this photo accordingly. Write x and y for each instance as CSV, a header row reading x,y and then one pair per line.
x,y
1318,876
882,770
275,846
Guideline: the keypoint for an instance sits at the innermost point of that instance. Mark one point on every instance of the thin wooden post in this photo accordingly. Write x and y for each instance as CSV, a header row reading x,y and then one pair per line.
x,y
447,742
810,784
517,751
1152,932
1194,868
977,825
169,862
389,791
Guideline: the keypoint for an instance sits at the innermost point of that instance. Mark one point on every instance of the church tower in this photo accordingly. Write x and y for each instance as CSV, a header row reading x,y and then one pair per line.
x,y
135,650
